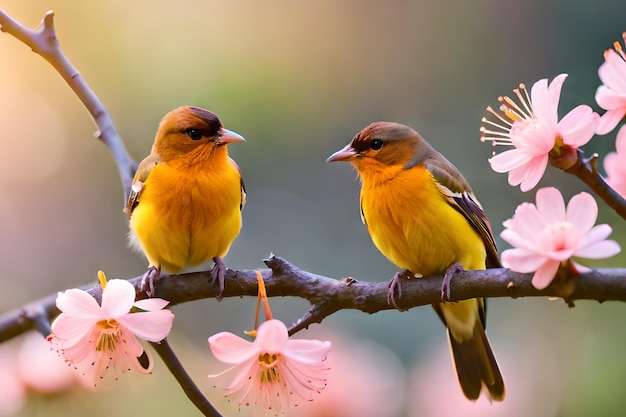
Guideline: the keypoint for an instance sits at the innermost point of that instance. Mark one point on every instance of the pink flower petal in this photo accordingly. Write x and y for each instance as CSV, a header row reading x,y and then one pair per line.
x,y
582,212
540,100
609,99
229,348
117,298
533,172
549,234
98,338
243,376
153,326
518,240
596,234
615,164
620,141
527,221
612,164
272,336
560,254
72,330
508,160
545,274
545,99
306,351
550,204
520,260
151,304
592,245
305,381
517,175
41,368
12,389
578,126
272,368
609,120
79,303
599,250
613,71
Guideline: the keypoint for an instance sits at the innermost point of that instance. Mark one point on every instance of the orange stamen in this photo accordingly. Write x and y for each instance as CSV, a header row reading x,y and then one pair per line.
x,y
103,279
266,305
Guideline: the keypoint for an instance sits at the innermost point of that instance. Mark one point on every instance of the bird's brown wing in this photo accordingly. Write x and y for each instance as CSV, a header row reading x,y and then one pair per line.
x,y
460,196
143,171
242,204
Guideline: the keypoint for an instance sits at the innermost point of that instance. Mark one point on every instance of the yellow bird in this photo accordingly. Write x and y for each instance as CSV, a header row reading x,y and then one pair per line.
x,y
187,196
423,216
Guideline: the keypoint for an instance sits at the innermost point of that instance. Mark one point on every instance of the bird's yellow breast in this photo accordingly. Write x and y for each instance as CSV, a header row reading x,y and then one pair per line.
x,y
414,226
188,213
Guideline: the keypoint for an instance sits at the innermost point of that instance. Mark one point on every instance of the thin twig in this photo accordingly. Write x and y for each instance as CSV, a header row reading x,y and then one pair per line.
x,y
43,41
586,170
184,380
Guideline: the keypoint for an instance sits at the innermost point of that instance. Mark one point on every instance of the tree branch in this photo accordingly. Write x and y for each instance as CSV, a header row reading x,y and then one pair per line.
x,y
328,295
586,170
194,394
43,41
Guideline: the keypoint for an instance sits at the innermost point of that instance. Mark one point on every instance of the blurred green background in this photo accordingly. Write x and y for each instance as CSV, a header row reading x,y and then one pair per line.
x,y
298,79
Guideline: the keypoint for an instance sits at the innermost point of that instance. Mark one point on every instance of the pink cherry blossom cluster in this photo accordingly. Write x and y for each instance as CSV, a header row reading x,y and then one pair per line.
x,y
273,372
546,235
29,366
95,337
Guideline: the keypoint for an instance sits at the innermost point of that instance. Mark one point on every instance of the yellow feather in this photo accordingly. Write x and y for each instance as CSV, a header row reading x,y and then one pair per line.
x,y
426,224
188,215
186,207
415,227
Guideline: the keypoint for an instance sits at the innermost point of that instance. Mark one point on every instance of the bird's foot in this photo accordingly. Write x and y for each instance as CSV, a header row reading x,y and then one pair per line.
x,y
217,276
447,280
149,278
396,284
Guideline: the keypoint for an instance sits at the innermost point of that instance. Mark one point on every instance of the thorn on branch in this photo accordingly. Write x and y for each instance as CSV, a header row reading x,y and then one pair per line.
x,y
510,289
592,161
349,281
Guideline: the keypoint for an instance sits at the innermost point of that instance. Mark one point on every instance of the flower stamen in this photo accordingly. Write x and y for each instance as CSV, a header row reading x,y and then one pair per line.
x,y
535,133
269,370
109,336
618,47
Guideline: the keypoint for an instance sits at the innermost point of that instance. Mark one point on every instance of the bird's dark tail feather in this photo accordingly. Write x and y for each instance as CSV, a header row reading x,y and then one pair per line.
x,y
476,365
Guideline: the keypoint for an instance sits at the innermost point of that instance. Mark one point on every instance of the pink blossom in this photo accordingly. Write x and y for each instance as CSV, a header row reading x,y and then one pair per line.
x,y
548,234
12,389
434,388
615,164
41,369
355,386
533,129
272,367
94,337
612,95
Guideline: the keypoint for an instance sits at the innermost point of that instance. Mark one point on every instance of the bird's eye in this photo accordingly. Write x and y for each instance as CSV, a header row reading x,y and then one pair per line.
x,y
376,144
194,134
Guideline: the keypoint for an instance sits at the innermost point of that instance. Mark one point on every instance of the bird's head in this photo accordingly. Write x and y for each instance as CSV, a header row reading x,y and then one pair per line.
x,y
189,129
382,147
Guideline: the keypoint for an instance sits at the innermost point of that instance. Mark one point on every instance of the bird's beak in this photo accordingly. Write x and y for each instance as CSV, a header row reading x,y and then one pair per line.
x,y
228,136
344,154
